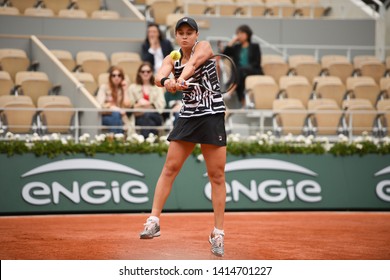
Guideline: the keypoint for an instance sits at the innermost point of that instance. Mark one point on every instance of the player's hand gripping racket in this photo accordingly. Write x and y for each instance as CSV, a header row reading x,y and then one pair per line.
x,y
226,74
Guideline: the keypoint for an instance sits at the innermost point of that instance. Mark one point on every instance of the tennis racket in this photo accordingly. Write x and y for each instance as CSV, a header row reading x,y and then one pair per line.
x,y
218,75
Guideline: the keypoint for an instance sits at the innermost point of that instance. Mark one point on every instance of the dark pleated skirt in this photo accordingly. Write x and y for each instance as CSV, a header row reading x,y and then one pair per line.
x,y
208,129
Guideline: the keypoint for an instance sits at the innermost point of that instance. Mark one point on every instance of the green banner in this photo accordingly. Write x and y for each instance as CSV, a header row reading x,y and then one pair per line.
x,y
107,183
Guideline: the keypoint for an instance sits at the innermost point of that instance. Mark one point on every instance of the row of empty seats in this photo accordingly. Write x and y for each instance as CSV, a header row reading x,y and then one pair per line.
x,y
62,8
13,61
51,114
31,83
158,9
96,62
67,13
263,90
325,117
56,5
332,65
23,91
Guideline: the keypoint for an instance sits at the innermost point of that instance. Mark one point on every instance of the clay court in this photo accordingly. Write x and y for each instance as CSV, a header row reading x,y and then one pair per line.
x,y
249,235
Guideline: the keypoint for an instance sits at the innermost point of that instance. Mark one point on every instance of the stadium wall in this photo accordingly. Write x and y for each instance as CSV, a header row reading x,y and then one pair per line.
x,y
125,183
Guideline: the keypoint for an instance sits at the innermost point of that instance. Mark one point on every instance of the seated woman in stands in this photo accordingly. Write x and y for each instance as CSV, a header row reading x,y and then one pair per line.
x,y
246,55
113,96
145,95
155,47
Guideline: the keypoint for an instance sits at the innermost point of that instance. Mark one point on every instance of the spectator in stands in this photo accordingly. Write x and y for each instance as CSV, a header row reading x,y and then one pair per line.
x,y
155,47
113,96
247,57
144,94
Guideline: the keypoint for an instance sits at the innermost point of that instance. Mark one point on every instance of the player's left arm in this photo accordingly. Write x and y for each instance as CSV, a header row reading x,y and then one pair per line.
x,y
164,71
202,52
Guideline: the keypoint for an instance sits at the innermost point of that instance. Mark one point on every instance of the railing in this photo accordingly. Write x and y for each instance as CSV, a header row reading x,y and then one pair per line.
x,y
254,122
39,127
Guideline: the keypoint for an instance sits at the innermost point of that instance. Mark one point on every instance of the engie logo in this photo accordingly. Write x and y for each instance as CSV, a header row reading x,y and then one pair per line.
x,y
93,192
383,187
272,190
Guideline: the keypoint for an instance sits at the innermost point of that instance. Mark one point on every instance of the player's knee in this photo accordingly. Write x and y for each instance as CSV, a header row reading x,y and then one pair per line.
x,y
217,177
171,170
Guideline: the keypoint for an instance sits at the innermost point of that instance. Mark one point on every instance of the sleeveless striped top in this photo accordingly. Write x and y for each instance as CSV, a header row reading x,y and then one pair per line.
x,y
198,101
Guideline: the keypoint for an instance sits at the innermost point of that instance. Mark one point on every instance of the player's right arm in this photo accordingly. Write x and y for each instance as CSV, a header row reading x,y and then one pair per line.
x,y
163,73
202,52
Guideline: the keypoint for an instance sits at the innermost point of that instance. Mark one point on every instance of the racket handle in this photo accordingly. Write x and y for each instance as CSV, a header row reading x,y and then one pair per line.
x,y
188,82
192,84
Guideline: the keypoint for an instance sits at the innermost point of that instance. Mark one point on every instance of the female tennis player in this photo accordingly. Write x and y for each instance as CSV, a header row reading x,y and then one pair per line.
x,y
201,120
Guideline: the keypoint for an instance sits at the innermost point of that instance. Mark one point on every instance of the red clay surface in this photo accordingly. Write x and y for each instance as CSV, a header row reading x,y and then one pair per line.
x,y
252,235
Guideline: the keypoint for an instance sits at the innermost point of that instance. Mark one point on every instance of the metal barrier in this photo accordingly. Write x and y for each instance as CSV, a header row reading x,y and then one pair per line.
x,y
243,121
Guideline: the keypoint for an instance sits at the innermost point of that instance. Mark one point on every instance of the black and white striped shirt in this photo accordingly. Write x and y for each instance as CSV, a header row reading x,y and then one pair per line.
x,y
198,101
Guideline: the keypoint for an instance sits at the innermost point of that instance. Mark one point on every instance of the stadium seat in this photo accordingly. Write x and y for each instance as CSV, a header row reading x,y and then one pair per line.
x,y
309,8
384,85
305,65
223,7
274,66
363,115
22,5
372,68
330,87
254,8
87,80
280,8
55,121
128,61
170,24
363,88
262,91
66,58
296,87
117,57
105,14
94,62
6,83
289,117
57,5
337,65
39,12
73,13
18,114
103,78
33,84
191,7
325,116
88,5
359,59
9,11
159,9
13,61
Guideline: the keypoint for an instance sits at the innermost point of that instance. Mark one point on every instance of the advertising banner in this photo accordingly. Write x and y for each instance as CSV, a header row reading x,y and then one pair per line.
x,y
109,183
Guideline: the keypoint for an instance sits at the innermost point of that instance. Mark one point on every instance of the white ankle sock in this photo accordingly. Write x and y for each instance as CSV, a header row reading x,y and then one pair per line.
x,y
218,231
154,219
